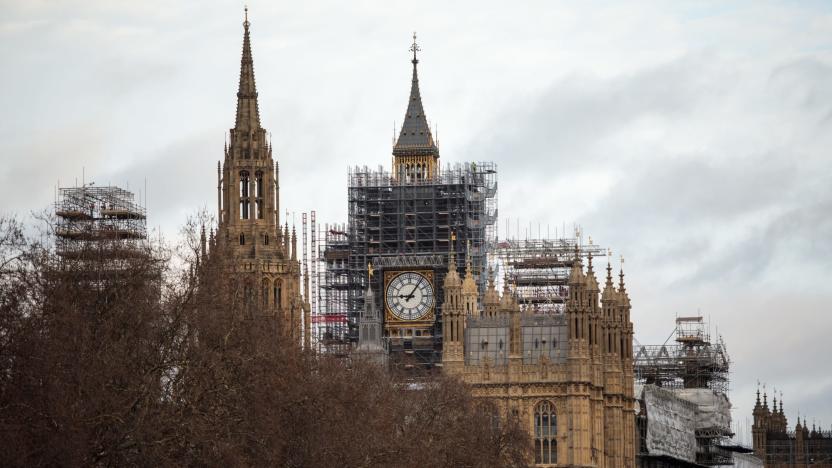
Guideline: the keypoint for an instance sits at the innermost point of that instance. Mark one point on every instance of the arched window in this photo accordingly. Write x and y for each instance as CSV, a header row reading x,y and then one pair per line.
x,y
244,184
265,292
242,239
266,239
258,193
277,293
545,433
244,191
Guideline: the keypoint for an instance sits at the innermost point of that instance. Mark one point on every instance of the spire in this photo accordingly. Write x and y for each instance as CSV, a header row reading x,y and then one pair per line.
x,y
576,276
452,277
248,113
294,243
415,138
609,287
591,282
202,243
621,288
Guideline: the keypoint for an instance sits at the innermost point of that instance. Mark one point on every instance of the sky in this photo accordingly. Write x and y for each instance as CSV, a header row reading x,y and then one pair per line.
x,y
690,137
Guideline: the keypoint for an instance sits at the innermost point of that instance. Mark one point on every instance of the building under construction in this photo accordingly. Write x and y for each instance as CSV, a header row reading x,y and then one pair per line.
x,y
393,217
685,414
99,230
537,270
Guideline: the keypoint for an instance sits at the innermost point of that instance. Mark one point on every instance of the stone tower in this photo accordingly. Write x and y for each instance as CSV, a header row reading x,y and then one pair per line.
x,y
265,259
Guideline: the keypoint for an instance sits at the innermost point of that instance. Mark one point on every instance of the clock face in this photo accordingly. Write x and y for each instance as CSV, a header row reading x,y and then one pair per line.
x,y
409,296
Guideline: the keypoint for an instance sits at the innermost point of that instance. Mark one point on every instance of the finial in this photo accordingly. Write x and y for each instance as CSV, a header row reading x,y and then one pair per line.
x,y
369,269
415,48
468,256
246,23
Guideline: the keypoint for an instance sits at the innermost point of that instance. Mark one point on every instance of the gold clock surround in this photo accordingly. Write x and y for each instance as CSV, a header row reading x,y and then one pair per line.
x,y
391,319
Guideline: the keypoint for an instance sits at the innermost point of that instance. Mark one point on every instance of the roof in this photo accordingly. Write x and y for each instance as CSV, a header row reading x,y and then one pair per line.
x,y
415,137
248,112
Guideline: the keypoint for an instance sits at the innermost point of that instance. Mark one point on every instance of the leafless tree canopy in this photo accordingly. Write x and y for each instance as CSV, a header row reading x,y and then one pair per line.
x,y
153,360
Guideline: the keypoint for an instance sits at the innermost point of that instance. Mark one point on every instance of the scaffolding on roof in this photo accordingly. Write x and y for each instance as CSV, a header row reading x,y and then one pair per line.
x,y
395,217
695,369
693,362
99,228
537,270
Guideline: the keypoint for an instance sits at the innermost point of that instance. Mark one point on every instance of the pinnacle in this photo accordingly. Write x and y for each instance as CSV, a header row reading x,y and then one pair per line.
x,y
248,112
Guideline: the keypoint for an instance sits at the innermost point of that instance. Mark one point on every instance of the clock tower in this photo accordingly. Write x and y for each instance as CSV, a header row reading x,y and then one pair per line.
x,y
415,155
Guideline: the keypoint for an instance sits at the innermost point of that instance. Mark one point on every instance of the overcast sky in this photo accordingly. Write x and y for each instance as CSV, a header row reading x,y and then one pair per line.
x,y
691,137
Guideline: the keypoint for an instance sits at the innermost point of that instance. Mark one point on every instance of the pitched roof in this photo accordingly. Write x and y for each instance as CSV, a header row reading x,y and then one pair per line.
x,y
415,137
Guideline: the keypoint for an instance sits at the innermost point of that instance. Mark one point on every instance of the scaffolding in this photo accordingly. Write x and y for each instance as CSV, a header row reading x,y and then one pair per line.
x,y
329,319
697,370
391,217
99,224
537,270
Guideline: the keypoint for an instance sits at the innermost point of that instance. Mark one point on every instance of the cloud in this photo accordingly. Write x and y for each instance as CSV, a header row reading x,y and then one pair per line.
x,y
692,138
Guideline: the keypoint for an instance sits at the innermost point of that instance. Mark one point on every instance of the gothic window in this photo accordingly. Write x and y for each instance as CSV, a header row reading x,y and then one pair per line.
x,y
545,433
242,239
258,192
244,184
277,293
266,239
265,292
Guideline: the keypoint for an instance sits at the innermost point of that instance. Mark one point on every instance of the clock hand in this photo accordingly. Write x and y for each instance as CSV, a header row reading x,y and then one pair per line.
x,y
410,296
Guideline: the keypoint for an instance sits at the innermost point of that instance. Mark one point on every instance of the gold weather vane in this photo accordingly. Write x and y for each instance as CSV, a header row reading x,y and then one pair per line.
x,y
415,47
369,270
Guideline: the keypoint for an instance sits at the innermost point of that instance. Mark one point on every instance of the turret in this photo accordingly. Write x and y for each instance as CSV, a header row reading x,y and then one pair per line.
x,y
609,301
469,288
453,315
491,298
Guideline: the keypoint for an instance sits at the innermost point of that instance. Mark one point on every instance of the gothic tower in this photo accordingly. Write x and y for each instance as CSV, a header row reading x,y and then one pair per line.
x,y
453,315
266,263
415,155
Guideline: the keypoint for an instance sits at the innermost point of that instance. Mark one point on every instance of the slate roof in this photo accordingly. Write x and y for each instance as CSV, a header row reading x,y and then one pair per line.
x,y
415,137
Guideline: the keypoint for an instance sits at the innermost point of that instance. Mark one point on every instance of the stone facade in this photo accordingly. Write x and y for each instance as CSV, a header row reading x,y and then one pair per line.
x,y
248,199
569,377
778,447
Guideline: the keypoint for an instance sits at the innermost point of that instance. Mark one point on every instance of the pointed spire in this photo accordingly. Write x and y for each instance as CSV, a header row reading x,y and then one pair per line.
x,y
415,137
248,112
576,276
609,286
294,243
203,250
591,281
469,285
621,287
452,277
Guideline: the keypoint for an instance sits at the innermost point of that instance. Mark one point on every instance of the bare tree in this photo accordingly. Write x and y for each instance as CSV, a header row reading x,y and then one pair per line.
x,y
157,360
